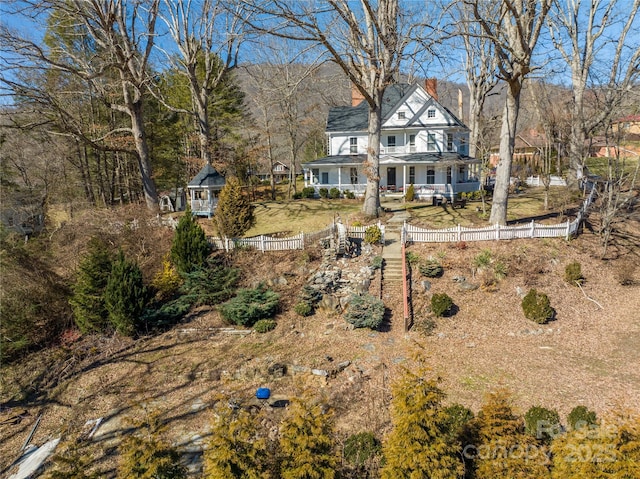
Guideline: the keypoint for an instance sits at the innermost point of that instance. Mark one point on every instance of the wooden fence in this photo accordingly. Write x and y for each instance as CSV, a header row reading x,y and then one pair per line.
x,y
269,243
414,234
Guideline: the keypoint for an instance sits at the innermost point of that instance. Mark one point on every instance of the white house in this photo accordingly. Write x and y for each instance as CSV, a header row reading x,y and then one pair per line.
x,y
421,143
204,189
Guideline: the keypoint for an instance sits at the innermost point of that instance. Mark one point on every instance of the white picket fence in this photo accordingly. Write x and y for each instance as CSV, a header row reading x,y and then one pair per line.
x,y
415,234
269,243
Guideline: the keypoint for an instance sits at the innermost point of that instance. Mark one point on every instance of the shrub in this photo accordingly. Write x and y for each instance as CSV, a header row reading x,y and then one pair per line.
x,y
334,193
302,308
250,305
323,192
573,273
359,448
536,307
234,214
190,248
365,311
625,273
350,195
265,325
210,285
457,418
441,304
125,295
431,269
373,234
542,423
500,270
580,417
308,192
297,195
412,258
483,259
376,262
410,195
167,281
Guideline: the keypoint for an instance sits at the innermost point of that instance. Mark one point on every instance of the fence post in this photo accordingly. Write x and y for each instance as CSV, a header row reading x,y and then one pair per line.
x,y
533,228
262,243
568,231
459,233
497,231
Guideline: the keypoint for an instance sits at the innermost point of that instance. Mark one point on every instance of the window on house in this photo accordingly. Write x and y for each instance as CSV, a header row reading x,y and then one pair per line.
x,y
462,173
325,178
431,176
449,142
353,145
412,175
391,141
431,142
353,173
412,143
315,175
431,113
448,175
401,115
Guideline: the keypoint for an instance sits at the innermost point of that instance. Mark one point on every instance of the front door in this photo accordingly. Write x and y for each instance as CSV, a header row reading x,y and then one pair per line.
x,y
391,178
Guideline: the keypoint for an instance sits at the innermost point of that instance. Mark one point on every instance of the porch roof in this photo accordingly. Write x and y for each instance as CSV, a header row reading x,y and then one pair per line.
x,y
207,178
431,158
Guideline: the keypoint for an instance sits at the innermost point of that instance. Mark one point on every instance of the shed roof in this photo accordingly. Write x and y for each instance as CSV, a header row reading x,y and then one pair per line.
x,y
208,177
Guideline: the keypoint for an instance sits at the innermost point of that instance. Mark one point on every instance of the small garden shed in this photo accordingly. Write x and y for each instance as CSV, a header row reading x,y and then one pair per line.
x,y
204,190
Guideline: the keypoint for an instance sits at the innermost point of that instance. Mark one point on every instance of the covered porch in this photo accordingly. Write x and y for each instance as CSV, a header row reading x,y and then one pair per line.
x,y
204,190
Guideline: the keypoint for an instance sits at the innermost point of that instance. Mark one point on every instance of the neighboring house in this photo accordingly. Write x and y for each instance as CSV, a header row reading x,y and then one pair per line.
x,y
204,190
527,150
421,143
627,125
22,213
280,172
175,200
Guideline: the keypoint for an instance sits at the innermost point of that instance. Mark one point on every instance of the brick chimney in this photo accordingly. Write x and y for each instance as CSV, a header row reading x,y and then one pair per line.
x,y
431,85
356,96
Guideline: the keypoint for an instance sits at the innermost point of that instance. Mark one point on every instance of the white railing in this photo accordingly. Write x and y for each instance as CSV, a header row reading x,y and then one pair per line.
x,y
359,231
554,181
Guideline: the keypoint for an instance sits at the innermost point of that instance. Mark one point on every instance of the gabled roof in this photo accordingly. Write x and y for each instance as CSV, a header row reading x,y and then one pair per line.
x,y
208,177
356,118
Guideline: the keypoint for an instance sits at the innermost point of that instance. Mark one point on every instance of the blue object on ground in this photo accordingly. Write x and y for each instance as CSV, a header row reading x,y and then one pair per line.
x,y
263,393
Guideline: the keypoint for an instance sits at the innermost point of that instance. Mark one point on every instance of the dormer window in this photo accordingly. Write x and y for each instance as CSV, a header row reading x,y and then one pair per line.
x,y
449,142
431,113
402,115
353,145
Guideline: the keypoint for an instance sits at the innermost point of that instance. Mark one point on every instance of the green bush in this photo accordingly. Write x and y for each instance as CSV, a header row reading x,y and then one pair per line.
x,y
350,195
412,258
580,417
360,448
297,195
542,423
431,269
483,259
376,262
457,419
334,193
536,307
323,192
365,311
250,305
573,273
190,247
310,295
373,234
302,308
125,295
308,192
441,304
410,195
265,325
234,215
210,285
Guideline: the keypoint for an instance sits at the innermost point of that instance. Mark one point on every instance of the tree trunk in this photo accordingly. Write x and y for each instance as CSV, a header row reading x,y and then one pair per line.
x,y
578,135
371,166
144,161
507,142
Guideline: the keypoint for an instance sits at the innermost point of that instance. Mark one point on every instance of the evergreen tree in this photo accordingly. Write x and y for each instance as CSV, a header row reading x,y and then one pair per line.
x,y
417,446
504,449
145,454
88,302
235,451
125,295
190,248
234,214
306,442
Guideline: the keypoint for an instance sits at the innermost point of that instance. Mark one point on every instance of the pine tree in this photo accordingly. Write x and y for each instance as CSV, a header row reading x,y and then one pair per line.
x,y
190,248
125,295
234,213
306,442
417,446
504,449
235,451
145,454
88,303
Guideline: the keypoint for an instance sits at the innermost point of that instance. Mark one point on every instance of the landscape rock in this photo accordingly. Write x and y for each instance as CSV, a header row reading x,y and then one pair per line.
x,y
465,286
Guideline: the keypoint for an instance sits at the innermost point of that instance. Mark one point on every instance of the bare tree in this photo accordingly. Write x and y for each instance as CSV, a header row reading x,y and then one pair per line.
x,y
594,37
367,40
122,35
207,37
514,27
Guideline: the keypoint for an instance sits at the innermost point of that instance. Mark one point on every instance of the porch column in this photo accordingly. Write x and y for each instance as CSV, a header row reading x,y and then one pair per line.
x,y
404,178
340,178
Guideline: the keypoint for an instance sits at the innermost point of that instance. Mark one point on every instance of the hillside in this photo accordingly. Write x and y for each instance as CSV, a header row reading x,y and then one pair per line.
x,y
587,356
